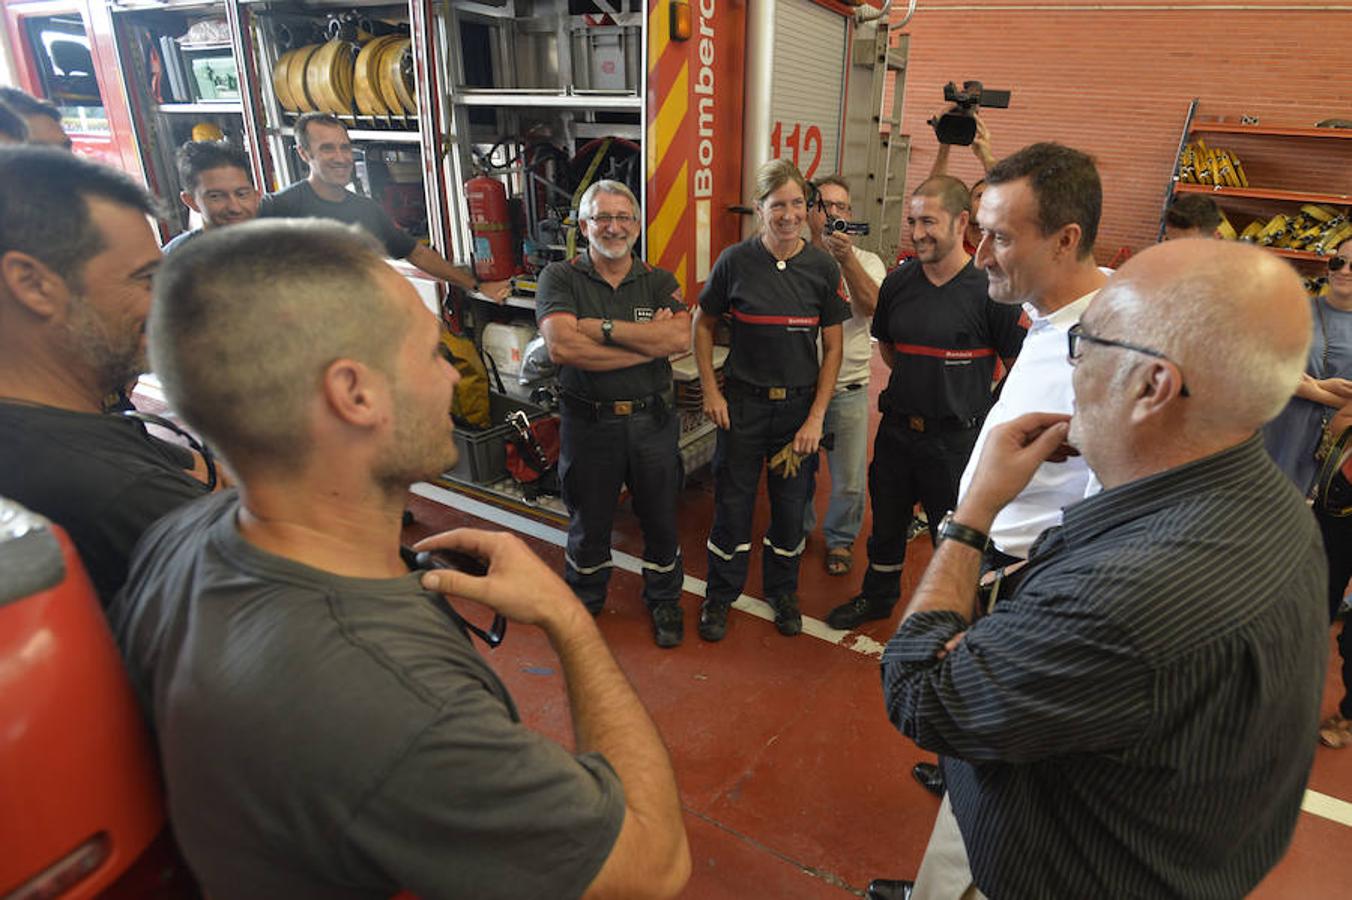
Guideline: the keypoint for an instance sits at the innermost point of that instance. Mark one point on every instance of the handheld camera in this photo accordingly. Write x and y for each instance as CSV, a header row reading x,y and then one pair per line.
x,y
957,126
833,224
844,226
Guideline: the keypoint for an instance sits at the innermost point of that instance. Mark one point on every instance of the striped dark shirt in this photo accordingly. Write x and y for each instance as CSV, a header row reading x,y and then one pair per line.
x,y
1138,719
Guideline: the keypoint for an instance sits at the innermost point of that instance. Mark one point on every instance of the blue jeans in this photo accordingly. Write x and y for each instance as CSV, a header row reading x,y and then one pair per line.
x,y
847,419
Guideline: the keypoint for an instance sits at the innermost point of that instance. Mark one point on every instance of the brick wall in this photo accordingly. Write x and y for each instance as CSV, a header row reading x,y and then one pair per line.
x,y
1115,80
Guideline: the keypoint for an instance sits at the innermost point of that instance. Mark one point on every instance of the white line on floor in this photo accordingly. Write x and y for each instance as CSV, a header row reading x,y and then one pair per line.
x,y
754,606
1327,807
1315,803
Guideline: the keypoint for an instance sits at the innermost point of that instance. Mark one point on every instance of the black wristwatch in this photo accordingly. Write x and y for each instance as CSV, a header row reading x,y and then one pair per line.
x,y
954,531
607,327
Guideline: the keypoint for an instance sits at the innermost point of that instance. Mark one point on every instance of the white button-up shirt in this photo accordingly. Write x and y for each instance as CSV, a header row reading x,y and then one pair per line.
x,y
1039,381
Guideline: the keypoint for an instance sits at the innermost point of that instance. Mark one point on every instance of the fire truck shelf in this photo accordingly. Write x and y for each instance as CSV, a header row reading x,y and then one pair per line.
x,y
358,134
576,100
205,107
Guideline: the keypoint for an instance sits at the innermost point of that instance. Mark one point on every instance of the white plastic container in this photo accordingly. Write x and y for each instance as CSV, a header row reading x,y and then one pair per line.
x,y
507,345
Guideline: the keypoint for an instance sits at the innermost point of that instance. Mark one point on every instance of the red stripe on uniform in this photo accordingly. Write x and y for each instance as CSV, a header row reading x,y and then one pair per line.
x,y
790,321
942,352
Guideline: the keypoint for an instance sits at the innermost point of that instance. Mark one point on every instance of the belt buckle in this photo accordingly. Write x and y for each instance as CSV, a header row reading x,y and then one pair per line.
x,y
623,407
916,423
777,393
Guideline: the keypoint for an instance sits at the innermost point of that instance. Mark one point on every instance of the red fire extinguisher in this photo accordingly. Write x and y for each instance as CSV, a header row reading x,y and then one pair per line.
x,y
490,222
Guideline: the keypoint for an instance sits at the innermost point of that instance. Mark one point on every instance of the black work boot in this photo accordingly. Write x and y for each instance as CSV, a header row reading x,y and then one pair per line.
x,y
856,611
668,624
889,889
787,618
930,776
713,620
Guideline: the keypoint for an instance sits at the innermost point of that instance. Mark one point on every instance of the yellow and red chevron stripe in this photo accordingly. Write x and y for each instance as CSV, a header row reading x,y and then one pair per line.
x,y
693,162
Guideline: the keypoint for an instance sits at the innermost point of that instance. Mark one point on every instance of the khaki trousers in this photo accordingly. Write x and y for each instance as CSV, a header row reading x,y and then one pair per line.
x,y
944,871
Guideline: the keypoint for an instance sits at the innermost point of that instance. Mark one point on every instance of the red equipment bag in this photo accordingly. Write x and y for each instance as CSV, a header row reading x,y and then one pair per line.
x,y
533,452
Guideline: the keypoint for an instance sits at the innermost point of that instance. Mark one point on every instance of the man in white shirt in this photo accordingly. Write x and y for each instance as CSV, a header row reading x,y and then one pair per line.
x,y
847,416
1039,217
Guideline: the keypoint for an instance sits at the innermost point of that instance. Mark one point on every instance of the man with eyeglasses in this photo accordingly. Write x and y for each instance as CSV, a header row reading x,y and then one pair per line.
x,y
847,414
1089,722
610,321
327,729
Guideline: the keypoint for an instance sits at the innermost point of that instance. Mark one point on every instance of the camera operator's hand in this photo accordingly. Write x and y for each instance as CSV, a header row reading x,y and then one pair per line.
x,y
981,144
519,584
839,245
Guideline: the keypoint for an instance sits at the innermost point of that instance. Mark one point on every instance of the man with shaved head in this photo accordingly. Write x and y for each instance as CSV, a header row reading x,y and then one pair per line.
x,y
358,743
1128,721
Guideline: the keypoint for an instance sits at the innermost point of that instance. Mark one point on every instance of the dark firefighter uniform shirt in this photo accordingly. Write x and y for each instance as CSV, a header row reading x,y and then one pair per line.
x,y
776,313
299,201
575,287
945,341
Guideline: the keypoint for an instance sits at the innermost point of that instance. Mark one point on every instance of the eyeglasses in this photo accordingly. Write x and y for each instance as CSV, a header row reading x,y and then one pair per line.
x,y
843,208
622,219
1336,264
1076,335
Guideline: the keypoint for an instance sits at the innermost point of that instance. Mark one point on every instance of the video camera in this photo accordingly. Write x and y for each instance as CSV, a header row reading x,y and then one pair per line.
x,y
844,226
957,126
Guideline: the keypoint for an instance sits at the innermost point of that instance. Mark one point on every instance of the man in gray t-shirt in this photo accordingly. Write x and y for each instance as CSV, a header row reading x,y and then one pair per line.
x,y
327,729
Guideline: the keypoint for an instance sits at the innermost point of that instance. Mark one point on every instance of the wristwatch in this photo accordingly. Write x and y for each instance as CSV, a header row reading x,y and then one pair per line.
x,y
607,327
954,531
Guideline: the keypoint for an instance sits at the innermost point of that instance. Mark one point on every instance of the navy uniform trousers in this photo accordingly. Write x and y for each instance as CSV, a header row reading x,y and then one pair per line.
x,y
598,455
760,428
908,467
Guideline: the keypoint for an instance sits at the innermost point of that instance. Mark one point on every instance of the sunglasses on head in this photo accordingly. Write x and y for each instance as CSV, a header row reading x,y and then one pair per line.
x,y
1336,264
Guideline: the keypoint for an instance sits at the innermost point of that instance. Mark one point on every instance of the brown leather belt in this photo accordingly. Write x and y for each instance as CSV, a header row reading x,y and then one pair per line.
x,y
768,393
598,409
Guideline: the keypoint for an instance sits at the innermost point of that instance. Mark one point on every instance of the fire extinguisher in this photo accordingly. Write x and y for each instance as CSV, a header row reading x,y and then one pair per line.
x,y
490,222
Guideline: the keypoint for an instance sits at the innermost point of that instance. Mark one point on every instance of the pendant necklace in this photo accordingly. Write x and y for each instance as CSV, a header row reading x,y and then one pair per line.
x,y
782,264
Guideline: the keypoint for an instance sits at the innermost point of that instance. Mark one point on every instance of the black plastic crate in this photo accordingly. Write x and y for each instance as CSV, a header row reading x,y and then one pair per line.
x,y
483,454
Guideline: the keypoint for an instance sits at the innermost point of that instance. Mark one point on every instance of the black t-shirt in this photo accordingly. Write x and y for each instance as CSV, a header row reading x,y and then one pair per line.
x,y
776,313
299,201
338,738
575,287
103,478
945,340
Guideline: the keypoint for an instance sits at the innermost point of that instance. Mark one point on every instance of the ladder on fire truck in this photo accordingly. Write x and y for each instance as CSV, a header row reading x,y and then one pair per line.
x,y
873,137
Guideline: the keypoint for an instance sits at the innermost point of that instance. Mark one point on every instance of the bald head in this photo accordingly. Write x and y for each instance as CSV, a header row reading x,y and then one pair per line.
x,y
1233,317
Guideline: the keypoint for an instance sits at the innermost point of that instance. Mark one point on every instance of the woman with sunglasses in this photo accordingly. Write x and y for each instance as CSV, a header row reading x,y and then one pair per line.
x,y
1327,384
1294,436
